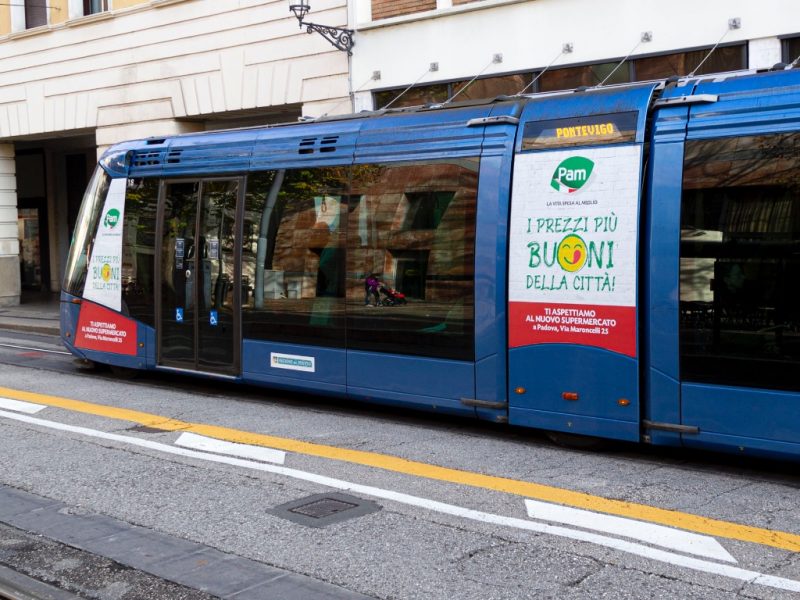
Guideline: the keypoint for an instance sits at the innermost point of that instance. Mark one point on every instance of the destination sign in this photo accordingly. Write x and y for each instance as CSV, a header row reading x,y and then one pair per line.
x,y
590,130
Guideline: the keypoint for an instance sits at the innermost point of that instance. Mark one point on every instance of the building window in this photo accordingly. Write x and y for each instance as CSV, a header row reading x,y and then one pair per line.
x,y
791,49
725,58
487,87
91,7
384,9
588,75
35,13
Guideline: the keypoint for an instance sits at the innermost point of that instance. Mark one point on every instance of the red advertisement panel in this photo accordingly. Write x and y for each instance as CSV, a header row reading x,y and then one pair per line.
x,y
609,327
105,330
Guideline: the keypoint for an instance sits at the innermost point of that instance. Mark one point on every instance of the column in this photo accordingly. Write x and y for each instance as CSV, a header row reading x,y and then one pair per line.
x,y
9,233
764,53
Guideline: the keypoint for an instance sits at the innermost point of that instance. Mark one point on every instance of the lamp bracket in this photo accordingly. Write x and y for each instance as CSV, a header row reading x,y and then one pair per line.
x,y
338,36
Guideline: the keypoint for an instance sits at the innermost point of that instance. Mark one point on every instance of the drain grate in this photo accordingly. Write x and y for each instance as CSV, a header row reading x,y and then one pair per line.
x,y
322,510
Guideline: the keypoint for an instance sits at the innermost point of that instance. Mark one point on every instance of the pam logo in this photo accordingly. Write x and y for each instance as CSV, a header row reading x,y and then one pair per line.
x,y
572,174
111,219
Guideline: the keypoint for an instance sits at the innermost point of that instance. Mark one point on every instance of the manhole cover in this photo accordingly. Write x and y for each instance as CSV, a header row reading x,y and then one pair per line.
x,y
322,510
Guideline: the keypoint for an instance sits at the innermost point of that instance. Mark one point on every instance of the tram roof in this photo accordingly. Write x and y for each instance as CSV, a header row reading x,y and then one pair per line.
x,y
352,122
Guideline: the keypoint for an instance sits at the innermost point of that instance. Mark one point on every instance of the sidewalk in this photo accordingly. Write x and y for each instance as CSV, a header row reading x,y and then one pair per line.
x,y
36,313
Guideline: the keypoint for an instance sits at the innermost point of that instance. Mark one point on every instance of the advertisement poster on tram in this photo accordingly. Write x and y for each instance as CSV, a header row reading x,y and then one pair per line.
x,y
104,279
100,326
573,248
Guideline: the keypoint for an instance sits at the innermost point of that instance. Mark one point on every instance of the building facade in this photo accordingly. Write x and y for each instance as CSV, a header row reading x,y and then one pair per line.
x,y
437,47
79,75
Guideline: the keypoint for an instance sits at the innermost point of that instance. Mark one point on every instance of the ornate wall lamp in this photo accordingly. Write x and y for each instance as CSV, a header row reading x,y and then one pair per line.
x,y
338,36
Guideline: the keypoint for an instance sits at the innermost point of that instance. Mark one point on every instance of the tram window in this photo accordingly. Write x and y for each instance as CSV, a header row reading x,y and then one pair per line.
x,y
85,230
293,256
138,249
412,226
740,261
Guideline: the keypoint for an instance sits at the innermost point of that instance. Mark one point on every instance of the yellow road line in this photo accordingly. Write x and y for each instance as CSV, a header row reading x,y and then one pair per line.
x,y
643,512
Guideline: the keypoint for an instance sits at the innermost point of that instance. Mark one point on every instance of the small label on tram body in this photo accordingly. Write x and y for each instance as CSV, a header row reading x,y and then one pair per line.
x,y
292,362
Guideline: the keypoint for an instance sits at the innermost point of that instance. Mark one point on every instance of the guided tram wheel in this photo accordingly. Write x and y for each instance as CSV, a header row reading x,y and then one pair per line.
x,y
125,373
575,441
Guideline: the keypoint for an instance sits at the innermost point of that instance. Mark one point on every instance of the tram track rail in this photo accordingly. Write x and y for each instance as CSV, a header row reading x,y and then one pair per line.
x,y
33,349
16,586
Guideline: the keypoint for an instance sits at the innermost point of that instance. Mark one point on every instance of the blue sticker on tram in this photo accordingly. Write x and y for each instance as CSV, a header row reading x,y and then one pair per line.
x,y
212,318
179,315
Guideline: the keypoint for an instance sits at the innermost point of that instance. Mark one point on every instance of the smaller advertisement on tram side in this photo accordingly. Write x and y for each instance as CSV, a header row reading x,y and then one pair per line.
x,y
104,330
573,248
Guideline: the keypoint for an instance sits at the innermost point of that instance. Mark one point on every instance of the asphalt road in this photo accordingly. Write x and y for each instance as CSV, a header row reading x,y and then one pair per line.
x,y
436,507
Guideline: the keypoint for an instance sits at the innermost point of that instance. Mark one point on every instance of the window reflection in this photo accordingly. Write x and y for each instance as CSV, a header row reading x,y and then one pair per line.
x,y
740,261
138,249
411,227
293,256
85,229
389,256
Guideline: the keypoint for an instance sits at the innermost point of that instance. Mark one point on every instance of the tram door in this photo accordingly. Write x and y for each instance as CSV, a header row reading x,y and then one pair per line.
x,y
198,316
573,265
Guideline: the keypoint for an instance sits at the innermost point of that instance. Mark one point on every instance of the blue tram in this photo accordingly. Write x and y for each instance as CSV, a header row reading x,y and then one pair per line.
x,y
617,262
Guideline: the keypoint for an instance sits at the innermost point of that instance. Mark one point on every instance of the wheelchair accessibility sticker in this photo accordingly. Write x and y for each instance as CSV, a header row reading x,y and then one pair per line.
x,y
213,318
179,315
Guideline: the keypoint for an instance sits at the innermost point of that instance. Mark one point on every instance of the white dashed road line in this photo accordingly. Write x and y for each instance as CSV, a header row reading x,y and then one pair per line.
x,y
671,558
207,444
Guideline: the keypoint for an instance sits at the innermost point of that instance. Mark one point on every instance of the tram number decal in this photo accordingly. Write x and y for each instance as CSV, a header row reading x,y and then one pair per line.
x,y
292,362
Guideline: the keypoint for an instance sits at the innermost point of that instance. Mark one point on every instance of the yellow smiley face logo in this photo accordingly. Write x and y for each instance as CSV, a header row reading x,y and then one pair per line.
x,y
106,272
572,253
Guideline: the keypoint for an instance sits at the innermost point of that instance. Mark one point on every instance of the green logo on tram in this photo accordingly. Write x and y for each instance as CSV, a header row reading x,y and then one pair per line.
x,y
572,174
111,219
